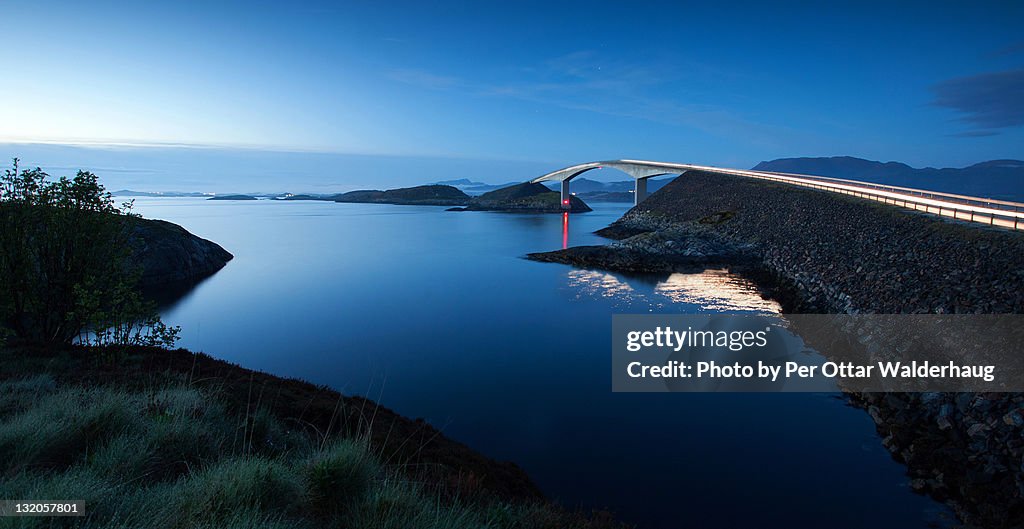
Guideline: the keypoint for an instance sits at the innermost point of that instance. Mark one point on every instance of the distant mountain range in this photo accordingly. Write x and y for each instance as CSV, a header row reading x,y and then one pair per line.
x,y
472,188
999,179
583,185
584,188
130,193
618,191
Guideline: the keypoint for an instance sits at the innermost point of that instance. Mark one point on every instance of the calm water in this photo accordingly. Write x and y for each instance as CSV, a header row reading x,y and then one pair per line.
x,y
436,315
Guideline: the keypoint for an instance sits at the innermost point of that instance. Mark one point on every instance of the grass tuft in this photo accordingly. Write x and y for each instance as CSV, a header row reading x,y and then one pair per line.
x,y
19,394
340,476
241,483
178,458
63,426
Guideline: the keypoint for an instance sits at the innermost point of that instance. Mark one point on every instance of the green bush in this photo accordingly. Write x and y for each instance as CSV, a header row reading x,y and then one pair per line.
x,y
66,271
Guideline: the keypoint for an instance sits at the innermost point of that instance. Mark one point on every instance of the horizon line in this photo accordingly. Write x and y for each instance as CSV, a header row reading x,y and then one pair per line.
x,y
146,144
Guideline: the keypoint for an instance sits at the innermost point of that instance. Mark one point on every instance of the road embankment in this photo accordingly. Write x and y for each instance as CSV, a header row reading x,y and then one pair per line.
x,y
825,252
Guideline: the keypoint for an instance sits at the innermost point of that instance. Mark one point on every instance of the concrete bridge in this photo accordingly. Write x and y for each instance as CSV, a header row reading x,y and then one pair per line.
x,y
1000,213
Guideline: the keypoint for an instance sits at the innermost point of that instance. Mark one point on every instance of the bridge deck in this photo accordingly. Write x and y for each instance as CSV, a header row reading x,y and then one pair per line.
x,y
1001,213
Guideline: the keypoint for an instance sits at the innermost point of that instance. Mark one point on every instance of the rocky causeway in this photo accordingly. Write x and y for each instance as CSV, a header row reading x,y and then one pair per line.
x,y
820,252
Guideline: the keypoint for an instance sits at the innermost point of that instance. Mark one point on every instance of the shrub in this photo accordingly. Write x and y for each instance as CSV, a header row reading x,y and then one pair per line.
x,y
66,269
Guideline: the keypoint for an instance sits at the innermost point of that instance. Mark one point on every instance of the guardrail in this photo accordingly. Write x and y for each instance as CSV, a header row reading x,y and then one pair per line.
x,y
1001,213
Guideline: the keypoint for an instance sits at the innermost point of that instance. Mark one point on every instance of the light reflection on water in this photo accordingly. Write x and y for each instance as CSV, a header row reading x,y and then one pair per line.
x,y
716,291
594,284
707,291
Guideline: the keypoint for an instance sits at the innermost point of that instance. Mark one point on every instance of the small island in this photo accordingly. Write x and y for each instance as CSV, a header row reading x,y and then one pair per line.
x,y
426,195
232,197
524,198
305,196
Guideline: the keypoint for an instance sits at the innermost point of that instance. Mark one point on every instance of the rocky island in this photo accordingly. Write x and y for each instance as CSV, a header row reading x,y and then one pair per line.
x,y
232,197
524,198
169,255
820,252
426,195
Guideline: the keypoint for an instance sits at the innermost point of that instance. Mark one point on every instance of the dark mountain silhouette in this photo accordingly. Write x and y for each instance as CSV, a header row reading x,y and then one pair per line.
x,y
459,182
474,188
999,179
582,185
620,191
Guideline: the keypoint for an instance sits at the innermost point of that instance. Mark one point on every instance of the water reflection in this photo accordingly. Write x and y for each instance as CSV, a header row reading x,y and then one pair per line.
x,y
709,291
565,230
167,295
593,284
716,291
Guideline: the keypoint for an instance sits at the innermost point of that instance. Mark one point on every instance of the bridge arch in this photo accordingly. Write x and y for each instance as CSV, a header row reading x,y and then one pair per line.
x,y
639,171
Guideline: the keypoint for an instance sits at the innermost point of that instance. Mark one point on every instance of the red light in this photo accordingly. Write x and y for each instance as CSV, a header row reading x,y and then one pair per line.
x,y
566,202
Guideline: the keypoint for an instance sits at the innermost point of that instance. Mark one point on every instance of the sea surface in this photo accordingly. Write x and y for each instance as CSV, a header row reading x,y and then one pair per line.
x,y
437,315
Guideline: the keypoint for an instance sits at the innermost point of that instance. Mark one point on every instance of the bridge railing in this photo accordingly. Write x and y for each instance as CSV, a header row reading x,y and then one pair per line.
x,y
952,197
1000,213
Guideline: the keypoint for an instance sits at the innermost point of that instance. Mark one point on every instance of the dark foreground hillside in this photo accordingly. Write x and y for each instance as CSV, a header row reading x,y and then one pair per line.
x,y
156,438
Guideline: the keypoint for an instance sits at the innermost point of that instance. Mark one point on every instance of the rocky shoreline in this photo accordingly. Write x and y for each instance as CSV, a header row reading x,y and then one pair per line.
x,y
819,252
667,250
170,255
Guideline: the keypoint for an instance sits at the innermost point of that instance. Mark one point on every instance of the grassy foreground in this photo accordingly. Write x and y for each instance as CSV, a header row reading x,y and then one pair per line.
x,y
146,444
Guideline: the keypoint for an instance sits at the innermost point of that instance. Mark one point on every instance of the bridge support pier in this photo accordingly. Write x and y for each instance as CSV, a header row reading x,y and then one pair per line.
x,y
640,192
566,201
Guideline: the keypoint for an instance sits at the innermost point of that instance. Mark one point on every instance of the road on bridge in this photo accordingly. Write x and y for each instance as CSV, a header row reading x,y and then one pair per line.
x,y
1000,213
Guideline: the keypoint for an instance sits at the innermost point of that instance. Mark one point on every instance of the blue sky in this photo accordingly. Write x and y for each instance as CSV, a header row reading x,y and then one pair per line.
x,y
495,91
